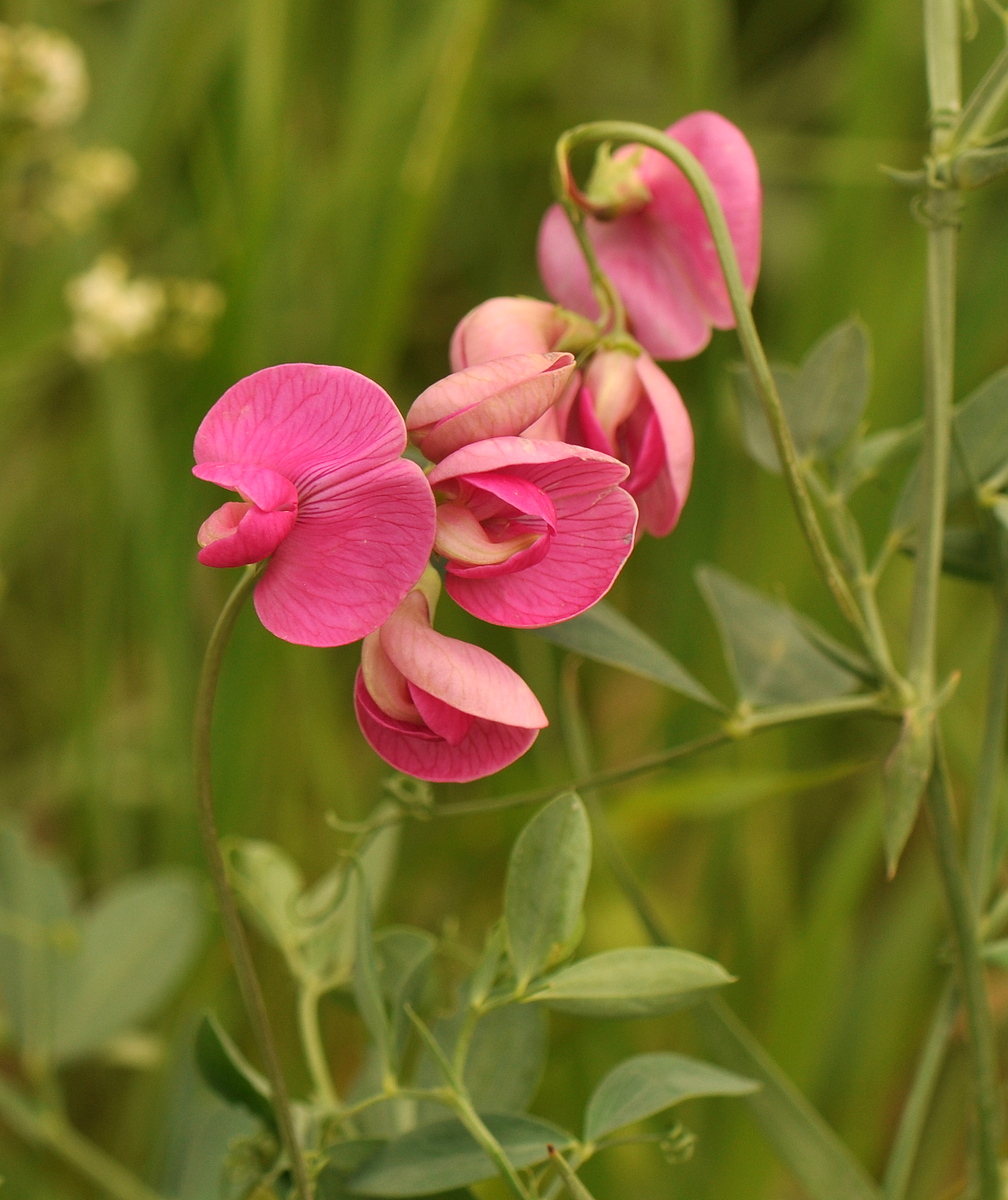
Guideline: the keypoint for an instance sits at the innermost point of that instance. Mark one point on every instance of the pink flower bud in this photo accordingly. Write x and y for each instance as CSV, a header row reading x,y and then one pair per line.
x,y
495,399
436,707
509,325
534,532
629,408
660,253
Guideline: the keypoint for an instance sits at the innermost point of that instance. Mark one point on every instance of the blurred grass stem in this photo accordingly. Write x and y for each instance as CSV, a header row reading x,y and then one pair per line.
x,y
314,1050
50,1129
234,932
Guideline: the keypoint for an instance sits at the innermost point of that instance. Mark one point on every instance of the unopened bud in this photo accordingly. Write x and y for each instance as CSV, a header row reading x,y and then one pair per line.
x,y
615,187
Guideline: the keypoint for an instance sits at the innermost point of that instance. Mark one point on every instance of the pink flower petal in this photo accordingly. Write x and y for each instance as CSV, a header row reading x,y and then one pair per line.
x,y
518,492
661,503
463,676
360,543
494,399
295,417
594,538
232,539
503,326
267,489
449,723
662,258
487,747
387,685
554,467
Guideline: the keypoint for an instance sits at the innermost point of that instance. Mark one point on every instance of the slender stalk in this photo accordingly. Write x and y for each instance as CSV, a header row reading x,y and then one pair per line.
x,y
915,1112
752,347
234,932
983,818
314,1051
972,984
985,103
50,1129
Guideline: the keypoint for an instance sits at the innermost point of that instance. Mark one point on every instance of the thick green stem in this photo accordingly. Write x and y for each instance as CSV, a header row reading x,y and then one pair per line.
x,y
972,984
918,1103
42,1127
983,818
234,932
752,347
314,1050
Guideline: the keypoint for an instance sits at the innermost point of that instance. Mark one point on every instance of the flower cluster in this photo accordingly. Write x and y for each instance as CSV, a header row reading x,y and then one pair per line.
x,y
543,468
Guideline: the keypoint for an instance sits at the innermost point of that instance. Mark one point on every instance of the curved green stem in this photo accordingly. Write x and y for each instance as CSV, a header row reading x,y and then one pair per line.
x,y
43,1127
752,347
314,1050
234,932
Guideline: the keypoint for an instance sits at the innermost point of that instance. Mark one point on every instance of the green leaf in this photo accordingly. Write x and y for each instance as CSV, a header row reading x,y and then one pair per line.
x,y
545,886
38,934
342,1161
823,400
776,655
996,953
268,884
639,981
228,1073
605,635
979,450
404,958
444,1155
367,989
649,1084
904,778
136,944
505,1061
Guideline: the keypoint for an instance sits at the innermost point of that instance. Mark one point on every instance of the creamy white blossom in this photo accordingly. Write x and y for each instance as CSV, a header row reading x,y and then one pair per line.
x,y
43,77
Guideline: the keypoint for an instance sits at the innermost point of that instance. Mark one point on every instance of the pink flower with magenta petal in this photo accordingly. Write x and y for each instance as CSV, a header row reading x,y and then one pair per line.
x,y
495,399
347,525
661,257
533,532
629,408
509,325
438,708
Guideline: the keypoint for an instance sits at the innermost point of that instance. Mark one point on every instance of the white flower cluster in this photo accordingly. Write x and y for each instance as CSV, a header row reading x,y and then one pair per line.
x,y
114,314
47,182
43,77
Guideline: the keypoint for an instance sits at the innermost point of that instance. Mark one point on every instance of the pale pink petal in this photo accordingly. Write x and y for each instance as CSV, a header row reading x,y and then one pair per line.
x,y
296,417
459,535
229,538
661,503
518,561
385,683
518,492
502,326
593,540
486,748
360,544
562,266
494,399
459,674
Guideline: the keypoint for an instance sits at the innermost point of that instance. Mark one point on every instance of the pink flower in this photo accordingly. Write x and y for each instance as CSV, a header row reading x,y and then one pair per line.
x,y
509,325
348,526
629,408
533,532
438,708
494,399
661,257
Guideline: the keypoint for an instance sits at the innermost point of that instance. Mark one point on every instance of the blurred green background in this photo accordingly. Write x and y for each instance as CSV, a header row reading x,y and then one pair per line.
x,y
355,177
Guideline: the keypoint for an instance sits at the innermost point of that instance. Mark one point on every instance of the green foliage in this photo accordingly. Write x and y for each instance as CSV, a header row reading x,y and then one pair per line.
x,y
545,888
651,1083
605,635
444,1155
226,1070
74,979
823,400
776,656
640,981
907,771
